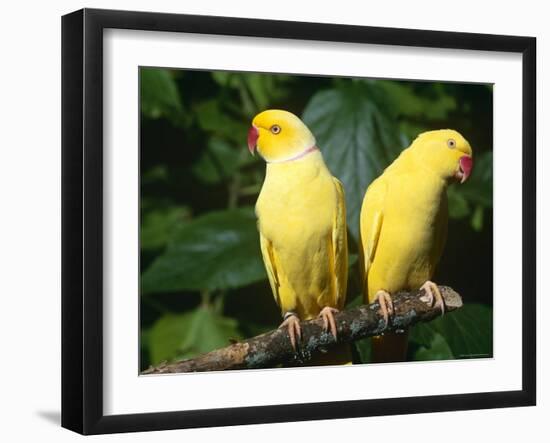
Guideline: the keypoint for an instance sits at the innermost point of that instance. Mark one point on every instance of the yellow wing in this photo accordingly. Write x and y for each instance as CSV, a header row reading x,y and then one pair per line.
x,y
441,227
371,219
269,261
339,246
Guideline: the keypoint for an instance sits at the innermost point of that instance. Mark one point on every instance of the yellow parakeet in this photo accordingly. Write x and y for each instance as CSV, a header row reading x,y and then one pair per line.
x,y
403,225
302,223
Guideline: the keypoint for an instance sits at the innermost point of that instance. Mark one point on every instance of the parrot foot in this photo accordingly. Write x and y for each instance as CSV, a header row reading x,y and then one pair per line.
x,y
327,314
292,324
433,294
386,304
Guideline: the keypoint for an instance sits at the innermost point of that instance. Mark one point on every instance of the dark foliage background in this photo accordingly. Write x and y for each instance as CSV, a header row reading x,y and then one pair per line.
x,y
202,278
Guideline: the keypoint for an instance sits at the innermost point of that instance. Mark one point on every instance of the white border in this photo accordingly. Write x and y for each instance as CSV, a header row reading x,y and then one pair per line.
x,y
126,392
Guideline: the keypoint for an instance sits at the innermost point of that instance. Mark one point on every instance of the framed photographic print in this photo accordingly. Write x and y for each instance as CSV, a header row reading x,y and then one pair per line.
x,y
254,208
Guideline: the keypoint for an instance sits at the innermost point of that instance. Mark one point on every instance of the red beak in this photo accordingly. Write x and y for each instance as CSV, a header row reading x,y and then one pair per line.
x,y
466,164
252,139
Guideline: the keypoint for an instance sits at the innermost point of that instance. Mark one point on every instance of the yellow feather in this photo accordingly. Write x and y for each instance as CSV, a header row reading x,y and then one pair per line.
x,y
269,261
403,234
302,222
340,246
403,221
371,223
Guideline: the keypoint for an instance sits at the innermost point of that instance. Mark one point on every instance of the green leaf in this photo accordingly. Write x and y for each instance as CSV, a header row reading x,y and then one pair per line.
x,y
159,225
159,94
258,91
218,162
189,334
477,219
479,187
158,173
266,89
422,334
476,195
468,331
167,335
252,329
357,137
364,349
354,302
214,120
458,204
219,250
408,103
437,349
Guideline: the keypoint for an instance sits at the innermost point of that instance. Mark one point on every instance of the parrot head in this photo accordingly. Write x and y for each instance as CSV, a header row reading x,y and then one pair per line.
x,y
279,136
445,152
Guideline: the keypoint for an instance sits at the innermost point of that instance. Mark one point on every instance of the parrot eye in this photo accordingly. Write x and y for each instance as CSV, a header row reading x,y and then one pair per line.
x,y
275,129
451,143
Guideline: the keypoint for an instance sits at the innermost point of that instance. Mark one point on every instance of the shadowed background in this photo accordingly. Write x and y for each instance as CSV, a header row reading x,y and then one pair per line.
x,y
203,283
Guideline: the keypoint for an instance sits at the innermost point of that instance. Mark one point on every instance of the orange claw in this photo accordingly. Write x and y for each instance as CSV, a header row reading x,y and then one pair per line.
x,y
292,324
327,314
433,294
386,304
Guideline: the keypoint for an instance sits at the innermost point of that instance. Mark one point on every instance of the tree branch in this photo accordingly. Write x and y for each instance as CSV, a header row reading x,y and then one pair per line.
x,y
273,348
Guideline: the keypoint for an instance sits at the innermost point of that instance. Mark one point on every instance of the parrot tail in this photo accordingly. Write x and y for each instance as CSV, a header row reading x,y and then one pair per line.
x,y
390,347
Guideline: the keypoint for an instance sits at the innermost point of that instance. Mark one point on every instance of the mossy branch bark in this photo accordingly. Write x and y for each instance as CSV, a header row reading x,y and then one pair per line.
x,y
274,348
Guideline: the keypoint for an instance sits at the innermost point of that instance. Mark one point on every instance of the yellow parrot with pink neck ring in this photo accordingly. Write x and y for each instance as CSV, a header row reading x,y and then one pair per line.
x,y
403,226
302,224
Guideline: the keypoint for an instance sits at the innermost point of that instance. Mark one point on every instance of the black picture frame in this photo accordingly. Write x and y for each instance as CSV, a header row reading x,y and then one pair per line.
x,y
82,220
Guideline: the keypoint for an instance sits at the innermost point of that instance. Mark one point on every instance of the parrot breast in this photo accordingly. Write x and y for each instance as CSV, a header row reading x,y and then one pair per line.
x,y
296,213
412,233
